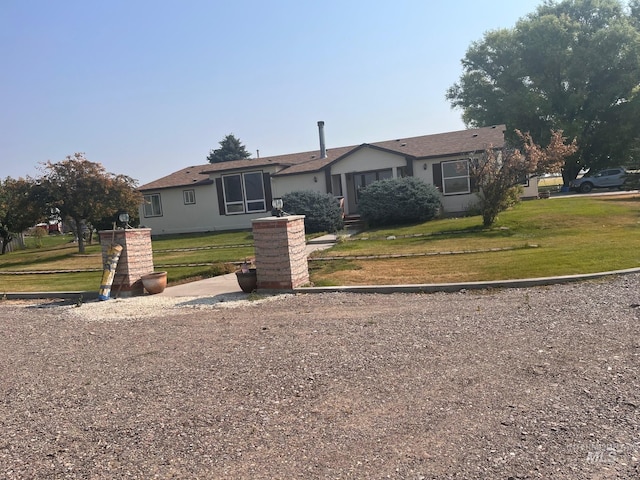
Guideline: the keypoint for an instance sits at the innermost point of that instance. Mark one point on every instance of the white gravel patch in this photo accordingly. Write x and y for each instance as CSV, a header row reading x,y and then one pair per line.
x,y
154,305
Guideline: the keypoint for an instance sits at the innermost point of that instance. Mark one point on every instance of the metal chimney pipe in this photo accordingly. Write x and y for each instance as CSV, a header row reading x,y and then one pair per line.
x,y
323,148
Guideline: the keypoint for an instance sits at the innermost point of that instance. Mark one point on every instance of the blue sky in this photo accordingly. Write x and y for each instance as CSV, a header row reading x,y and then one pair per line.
x,y
149,87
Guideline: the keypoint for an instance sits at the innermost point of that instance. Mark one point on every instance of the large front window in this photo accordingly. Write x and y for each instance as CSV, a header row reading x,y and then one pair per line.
x,y
244,193
455,177
152,205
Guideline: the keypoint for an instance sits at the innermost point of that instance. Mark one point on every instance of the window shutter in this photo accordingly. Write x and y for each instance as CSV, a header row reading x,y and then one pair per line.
x,y
437,175
268,196
409,168
220,196
327,180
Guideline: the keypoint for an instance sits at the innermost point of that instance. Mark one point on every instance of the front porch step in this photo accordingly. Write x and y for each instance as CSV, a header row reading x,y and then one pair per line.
x,y
354,222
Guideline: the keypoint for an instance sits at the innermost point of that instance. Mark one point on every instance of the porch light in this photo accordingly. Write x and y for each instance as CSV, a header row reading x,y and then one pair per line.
x,y
277,204
123,219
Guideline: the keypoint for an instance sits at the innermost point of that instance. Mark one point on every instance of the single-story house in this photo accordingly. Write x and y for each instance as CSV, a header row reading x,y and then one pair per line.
x,y
228,195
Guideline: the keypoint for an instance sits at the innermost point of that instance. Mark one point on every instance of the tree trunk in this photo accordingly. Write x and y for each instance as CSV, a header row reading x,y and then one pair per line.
x,y
488,218
570,173
79,236
5,240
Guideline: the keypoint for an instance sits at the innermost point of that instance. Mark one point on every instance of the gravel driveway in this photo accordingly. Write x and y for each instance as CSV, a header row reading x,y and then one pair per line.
x,y
521,383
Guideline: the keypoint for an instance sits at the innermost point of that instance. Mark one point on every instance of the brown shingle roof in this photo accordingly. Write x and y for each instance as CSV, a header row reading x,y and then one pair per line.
x,y
426,146
190,176
451,143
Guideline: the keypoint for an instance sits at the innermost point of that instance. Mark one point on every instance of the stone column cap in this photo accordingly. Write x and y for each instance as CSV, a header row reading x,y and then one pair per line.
x,y
289,218
120,230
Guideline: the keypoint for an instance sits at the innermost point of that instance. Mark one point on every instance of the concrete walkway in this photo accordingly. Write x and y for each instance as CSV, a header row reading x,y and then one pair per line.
x,y
225,284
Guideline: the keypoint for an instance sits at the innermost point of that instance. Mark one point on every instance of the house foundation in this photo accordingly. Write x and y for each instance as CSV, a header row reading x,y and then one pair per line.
x,y
135,260
280,246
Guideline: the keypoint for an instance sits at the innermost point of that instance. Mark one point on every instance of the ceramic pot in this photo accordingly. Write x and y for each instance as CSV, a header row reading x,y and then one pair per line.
x,y
248,281
154,282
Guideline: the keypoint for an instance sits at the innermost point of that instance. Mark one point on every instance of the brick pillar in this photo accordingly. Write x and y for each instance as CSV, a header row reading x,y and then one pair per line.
x,y
281,259
135,261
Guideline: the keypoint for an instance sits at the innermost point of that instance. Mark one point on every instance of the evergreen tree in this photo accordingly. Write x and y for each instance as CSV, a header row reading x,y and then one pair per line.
x,y
230,149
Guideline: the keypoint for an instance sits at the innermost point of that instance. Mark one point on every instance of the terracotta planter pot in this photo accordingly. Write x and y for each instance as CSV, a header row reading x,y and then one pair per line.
x,y
154,282
248,281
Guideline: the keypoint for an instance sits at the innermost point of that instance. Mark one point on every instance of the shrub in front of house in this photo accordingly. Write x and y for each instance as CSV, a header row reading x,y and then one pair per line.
x,y
322,210
397,201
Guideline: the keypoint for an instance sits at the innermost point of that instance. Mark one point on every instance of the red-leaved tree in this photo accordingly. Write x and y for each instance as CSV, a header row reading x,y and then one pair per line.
x,y
498,173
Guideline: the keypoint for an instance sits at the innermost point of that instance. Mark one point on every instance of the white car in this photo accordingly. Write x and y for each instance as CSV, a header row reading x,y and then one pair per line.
x,y
609,178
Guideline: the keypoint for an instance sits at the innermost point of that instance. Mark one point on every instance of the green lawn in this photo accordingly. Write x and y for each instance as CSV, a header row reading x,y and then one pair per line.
x,y
547,237
537,238
184,257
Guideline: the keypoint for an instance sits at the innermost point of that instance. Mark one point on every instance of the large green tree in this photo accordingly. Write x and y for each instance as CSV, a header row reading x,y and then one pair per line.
x,y
20,207
86,193
572,66
230,149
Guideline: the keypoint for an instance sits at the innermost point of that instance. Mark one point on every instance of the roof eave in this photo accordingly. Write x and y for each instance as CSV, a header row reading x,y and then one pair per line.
x,y
199,183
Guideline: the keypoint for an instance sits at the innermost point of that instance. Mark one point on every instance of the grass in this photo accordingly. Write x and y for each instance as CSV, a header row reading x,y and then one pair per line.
x,y
184,257
547,237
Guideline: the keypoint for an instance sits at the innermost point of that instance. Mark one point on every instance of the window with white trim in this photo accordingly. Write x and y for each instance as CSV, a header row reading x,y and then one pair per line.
x,y
189,197
244,193
455,177
152,205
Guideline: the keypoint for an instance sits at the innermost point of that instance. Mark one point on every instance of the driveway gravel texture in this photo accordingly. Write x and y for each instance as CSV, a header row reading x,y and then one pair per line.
x,y
492,384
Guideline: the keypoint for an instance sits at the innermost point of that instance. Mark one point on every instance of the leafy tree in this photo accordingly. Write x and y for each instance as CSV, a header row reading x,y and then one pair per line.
x,y
20,208
230,149
398,200
498,173
573,66
85,193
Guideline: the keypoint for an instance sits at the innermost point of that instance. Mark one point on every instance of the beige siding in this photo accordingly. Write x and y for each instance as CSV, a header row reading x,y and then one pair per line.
x,y
314,182
367,159
180,218
531,191
424,175
204,216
